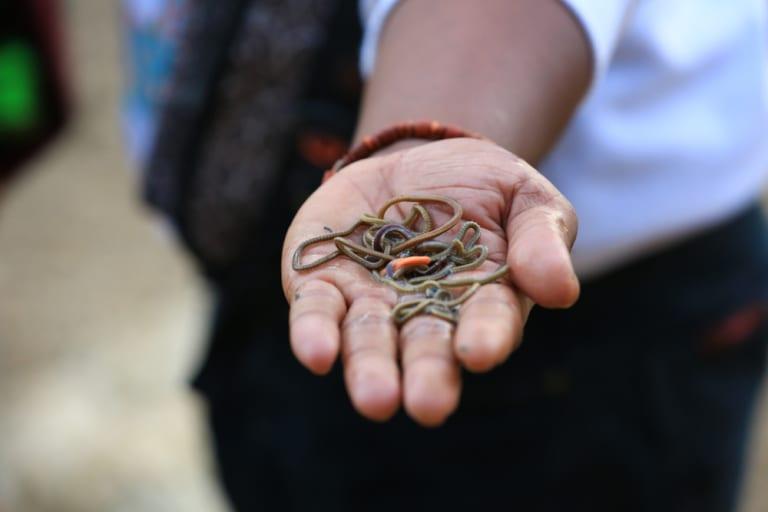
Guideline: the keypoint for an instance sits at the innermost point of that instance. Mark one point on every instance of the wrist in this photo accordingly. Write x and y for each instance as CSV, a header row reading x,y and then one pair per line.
x,y
398,137
400,146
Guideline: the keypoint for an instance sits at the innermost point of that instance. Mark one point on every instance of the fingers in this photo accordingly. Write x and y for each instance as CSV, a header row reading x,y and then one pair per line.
x,y
490,327
369,352
541,230
317,308
431,375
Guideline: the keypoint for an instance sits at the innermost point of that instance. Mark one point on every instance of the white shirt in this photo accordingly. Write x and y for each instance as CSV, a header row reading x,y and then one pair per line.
x,y
672,136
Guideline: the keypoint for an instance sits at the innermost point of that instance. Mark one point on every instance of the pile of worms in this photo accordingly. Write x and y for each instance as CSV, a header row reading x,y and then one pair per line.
x,y
408,256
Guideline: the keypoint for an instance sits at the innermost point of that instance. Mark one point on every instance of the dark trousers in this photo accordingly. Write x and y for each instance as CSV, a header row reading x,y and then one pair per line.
x,y
637,399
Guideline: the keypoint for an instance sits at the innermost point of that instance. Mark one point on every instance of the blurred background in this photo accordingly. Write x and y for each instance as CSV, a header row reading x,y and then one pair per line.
x,y
102,319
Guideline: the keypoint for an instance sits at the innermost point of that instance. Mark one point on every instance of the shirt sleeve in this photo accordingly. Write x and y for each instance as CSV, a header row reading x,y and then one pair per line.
x,y
374,14
603,22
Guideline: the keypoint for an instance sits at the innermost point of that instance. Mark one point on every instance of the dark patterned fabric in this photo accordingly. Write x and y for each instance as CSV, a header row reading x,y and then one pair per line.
x,y
200,56
618,404
238,96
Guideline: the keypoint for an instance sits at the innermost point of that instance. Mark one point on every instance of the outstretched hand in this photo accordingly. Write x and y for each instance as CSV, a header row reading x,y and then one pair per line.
x,y
337,309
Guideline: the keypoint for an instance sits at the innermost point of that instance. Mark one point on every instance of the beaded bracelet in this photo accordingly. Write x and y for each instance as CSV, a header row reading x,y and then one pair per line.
x,y
429,130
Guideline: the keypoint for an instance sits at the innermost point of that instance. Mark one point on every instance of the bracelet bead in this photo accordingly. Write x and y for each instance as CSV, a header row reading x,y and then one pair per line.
x,y
429,130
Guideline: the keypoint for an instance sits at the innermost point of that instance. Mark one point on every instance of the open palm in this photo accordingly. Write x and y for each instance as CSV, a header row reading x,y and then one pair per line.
x,y
337,308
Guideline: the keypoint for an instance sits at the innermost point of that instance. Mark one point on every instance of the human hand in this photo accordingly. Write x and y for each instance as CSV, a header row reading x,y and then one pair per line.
x,y
337,308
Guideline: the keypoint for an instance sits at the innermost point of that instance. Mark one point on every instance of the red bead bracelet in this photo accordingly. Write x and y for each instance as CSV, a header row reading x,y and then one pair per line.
x,y
429,130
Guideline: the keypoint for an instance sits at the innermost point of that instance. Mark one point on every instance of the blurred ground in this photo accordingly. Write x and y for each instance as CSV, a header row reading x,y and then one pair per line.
x,y
100,320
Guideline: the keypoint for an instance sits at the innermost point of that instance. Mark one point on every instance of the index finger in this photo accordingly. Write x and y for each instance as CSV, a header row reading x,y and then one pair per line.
x,y
317,308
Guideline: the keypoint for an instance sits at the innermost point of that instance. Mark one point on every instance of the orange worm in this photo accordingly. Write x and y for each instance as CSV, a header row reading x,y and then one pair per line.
x,y
409,261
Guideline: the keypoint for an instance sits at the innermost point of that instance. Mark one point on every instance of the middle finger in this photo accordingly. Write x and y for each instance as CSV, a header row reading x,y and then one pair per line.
x,y
369,352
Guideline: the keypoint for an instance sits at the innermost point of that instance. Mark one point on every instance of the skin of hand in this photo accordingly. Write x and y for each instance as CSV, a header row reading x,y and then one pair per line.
x,y
338,310
511,70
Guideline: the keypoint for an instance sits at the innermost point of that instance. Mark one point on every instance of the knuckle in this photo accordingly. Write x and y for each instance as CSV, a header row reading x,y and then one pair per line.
x,y
308,312
355,352
490,305
568,221
424,327
536,193
367,319
316,289
429,357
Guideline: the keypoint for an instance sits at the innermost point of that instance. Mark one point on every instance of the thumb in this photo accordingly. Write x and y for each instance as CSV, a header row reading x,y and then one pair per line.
x,y
541,229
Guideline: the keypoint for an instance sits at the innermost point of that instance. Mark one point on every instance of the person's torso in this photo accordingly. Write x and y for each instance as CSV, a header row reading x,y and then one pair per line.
x,y
671,138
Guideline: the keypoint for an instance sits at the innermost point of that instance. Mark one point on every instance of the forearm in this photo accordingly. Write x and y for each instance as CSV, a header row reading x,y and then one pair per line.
x,y
512,70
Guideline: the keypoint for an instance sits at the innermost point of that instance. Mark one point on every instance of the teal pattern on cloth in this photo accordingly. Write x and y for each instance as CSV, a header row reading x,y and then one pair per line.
x,y
151,34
